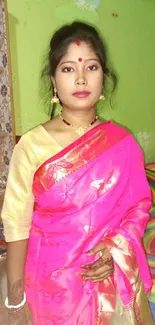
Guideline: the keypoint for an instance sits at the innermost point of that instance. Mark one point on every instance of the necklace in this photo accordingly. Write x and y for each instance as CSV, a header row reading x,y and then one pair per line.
x,y
81,129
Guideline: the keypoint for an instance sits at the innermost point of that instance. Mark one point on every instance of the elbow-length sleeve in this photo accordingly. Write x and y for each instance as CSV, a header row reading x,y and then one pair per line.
x,y
18,203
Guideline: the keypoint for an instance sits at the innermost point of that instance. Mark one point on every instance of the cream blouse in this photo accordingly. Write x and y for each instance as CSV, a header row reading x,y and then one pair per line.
x,y
34,147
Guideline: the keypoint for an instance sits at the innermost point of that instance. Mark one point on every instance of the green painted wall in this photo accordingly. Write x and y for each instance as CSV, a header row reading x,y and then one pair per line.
x,y
131,40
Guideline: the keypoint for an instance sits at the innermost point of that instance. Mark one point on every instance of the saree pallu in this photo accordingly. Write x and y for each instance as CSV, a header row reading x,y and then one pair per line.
x,y
85,194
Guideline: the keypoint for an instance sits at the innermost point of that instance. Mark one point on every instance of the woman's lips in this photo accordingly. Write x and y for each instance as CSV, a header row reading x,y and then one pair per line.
x,y
81,94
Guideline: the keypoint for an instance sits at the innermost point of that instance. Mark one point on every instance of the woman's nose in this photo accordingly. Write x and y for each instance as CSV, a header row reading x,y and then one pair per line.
x,y
81,80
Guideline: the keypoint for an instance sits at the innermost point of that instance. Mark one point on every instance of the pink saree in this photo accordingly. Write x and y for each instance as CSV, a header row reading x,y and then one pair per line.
x,y
85,194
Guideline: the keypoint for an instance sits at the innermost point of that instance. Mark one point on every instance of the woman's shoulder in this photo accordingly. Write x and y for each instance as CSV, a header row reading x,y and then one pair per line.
x,y
37,144
123,132
36,137
32,135
117,130
32,141
28,145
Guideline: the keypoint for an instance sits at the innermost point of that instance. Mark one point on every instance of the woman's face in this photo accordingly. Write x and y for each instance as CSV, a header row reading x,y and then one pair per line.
x,y
79,77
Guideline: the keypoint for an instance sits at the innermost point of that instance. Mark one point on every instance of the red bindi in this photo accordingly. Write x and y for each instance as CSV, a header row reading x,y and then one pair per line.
x,y
78,43
80,59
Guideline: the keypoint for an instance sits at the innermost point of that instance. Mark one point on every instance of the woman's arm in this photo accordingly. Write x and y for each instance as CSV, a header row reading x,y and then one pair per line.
x,y
18,202
16,256
17,214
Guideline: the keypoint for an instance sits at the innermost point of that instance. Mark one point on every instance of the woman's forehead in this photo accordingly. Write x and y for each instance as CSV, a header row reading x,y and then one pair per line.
x,y
79,49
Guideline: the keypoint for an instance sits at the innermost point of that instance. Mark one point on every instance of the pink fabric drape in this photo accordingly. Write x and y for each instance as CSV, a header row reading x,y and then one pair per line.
x,y
94,190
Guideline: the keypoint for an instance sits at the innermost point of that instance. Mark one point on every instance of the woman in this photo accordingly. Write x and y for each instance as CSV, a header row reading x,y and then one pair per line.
x,y
72,198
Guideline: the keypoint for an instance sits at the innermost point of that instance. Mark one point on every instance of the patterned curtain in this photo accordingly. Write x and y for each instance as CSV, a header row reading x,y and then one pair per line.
x,y
6,103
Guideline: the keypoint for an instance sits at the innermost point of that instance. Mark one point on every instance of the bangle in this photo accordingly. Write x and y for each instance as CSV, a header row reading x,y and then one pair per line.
x,y
17,306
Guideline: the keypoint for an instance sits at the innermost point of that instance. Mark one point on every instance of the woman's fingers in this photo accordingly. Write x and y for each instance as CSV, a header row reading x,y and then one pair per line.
x,y
99,270
100,262
102,277
92,266
99,277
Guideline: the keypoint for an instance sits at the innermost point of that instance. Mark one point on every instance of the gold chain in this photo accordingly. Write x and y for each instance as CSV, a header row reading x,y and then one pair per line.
x,y
81,129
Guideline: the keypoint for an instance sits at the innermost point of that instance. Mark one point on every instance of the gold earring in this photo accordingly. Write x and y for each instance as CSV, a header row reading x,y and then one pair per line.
x,y
102,97
55,99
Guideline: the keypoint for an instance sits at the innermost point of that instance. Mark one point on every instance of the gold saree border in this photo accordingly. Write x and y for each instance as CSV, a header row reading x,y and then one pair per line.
x,y
138,313
74,157
141,306
112,310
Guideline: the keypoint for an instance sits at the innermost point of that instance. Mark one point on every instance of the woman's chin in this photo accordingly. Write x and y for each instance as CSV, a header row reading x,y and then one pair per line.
x,y
81,104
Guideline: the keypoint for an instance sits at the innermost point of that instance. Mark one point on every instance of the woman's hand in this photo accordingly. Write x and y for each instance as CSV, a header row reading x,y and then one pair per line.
x,y
21,316
102,268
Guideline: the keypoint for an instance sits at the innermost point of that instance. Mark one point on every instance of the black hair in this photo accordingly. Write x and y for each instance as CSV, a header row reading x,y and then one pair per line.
x,y
67,34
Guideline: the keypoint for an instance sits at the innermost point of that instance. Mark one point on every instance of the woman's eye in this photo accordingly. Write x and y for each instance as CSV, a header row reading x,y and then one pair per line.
x,y
67,69
92,67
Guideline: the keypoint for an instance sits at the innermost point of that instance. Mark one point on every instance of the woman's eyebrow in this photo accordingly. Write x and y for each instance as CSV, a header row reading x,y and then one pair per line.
x,y
91,59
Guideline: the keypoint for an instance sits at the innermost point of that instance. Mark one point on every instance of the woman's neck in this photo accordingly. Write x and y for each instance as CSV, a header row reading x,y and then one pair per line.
x,y
77,117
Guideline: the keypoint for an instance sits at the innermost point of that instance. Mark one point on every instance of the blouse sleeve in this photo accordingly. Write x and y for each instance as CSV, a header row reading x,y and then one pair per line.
x,y
19,200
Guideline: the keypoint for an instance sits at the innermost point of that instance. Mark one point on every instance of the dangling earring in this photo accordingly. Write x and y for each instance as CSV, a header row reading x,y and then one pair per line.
x,y
102,97
55,99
